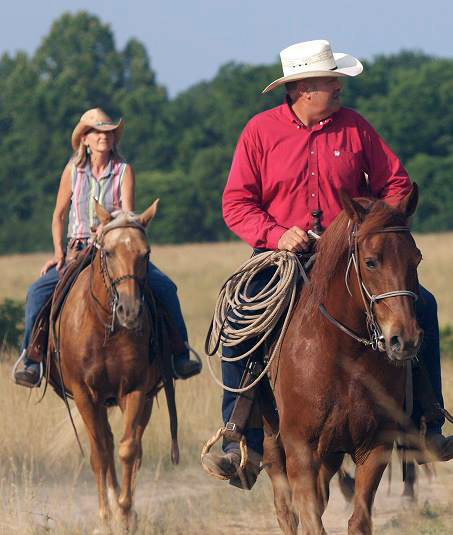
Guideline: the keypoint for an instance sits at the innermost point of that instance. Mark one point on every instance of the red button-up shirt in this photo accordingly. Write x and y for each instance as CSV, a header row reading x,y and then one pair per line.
x,y
282,171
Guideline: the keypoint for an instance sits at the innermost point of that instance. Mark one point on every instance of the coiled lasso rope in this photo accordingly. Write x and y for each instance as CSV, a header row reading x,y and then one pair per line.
x,y
256,316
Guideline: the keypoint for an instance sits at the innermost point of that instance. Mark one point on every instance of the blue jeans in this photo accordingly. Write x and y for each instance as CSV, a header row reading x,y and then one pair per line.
x,y
163,287
426,313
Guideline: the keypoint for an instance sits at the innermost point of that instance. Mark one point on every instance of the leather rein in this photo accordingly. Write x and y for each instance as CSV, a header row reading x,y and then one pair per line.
x,y
375,338
111,284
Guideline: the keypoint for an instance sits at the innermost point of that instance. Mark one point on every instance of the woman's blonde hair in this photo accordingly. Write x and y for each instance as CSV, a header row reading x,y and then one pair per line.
x,y
81,155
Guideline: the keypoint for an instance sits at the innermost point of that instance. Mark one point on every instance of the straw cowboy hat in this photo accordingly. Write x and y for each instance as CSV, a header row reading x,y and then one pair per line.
x,y
99,120
312,59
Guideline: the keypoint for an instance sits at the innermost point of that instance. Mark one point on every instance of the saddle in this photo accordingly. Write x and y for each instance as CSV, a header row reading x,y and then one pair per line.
x,y
38,346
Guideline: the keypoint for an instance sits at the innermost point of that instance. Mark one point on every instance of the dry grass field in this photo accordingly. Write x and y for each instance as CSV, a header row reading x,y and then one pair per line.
x,y
47,487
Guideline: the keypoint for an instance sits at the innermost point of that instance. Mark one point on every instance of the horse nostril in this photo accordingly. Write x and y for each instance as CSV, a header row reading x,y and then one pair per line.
x,y
395,343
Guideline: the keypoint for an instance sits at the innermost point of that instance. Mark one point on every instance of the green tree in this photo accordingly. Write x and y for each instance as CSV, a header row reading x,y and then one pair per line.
x,y
143,103
435,207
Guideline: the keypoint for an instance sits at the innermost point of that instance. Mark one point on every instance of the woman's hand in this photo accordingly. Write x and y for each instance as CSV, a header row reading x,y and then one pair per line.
x,y
96,232
57,261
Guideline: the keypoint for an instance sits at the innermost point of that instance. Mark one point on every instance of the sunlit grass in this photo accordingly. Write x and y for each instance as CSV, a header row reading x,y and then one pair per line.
x,y
42,471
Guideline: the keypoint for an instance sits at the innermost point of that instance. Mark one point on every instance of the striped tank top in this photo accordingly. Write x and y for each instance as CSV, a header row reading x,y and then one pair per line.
x,y
85,187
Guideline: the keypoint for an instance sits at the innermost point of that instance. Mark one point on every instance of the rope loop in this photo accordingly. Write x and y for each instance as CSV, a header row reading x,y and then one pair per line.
x,y
254,316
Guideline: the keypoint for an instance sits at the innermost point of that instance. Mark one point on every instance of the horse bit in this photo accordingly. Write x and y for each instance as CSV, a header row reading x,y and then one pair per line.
x,y
376,339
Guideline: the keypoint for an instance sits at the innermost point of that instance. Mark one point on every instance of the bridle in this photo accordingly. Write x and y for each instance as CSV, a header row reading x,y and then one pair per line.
x,y
375,338
112,284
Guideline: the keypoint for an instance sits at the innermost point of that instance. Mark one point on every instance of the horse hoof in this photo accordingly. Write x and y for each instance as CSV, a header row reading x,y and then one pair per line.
x,y
128,524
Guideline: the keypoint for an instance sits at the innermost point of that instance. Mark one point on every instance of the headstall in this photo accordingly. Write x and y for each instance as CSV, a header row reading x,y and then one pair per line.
x,y
375,338
111,284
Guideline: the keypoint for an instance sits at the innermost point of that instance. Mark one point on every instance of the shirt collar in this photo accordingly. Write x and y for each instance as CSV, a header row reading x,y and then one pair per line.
x,y
292,117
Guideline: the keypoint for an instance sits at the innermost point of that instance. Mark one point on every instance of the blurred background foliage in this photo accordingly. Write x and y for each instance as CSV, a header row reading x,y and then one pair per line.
x,y
181,148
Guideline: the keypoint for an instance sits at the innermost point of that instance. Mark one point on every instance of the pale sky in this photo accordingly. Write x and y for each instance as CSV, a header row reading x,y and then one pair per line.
x,y
188,40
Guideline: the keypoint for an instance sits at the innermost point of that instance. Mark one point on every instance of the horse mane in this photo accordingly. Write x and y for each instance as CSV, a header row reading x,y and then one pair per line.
x,y
333,247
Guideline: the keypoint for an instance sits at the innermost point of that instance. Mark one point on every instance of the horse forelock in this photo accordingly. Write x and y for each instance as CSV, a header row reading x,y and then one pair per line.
x,y
123,218
333,247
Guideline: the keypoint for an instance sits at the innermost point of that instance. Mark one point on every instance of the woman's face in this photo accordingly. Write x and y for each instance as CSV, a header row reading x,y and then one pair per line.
x,y
99,141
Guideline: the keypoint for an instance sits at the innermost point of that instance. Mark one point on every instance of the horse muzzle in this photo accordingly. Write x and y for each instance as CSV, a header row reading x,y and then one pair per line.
x,y
129,312
401,347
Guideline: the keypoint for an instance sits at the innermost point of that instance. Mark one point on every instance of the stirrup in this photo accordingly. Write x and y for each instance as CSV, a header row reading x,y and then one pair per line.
x,y
16,365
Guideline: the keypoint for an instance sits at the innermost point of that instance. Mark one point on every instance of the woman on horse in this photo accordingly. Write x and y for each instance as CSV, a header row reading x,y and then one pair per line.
x,y
96,170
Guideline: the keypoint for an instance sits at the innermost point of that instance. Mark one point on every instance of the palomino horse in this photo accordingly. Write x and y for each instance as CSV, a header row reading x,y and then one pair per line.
x,y
103,344
336,393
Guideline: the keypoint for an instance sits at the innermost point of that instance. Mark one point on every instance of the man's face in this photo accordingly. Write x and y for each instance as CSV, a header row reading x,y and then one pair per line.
x,y
324,95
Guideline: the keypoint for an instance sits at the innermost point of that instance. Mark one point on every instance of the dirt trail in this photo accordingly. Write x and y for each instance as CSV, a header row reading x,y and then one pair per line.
x,y
182,500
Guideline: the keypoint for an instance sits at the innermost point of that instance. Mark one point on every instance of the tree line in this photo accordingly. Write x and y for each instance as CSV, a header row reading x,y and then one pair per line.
x,y
181,148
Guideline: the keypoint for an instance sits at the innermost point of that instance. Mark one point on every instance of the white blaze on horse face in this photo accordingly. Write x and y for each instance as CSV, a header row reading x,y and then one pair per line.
x,y
128,243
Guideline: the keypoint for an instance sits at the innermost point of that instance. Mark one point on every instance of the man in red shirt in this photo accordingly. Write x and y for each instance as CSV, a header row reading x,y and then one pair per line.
x,y
292,160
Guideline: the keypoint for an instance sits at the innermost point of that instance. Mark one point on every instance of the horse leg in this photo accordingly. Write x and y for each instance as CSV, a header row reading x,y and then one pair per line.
x,y
368,476
146,415
275,466
133,405
98,429
112,481
329,467
303,469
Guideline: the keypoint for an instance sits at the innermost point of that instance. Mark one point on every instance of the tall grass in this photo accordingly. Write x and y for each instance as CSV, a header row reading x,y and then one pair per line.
x,y
42,472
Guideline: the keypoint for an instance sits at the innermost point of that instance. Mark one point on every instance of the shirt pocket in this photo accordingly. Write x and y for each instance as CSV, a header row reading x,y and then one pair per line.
x,y
344,168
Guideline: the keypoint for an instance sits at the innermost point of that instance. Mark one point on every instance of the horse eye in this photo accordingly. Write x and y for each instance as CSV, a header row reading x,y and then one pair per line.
x,y
370,264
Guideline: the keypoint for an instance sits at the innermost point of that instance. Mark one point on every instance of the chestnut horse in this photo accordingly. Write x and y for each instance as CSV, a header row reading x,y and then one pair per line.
x,y
103,343
335,392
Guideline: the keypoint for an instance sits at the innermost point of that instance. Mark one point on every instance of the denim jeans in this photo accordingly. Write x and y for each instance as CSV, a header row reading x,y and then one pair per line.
x,y
426,313
163,287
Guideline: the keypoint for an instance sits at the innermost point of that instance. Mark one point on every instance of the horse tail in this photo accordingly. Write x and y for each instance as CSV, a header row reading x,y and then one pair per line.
x,y
347,484
169,386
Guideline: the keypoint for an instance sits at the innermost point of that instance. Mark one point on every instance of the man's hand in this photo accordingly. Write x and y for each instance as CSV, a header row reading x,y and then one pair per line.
x,y
57,261
295,240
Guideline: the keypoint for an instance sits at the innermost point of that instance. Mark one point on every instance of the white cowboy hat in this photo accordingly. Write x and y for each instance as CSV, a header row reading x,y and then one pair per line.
x,y
312,59
99,120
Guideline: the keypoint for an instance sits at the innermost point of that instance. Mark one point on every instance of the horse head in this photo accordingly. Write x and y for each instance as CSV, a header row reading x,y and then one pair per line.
x,y
384,256
124,256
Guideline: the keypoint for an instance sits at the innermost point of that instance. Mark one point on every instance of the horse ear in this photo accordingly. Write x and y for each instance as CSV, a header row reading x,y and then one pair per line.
x,y
408,204
355,211
149,213
103,216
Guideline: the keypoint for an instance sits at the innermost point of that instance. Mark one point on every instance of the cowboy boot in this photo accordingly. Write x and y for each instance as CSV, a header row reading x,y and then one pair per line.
x,y
183,367
226,466
438,446
29,375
